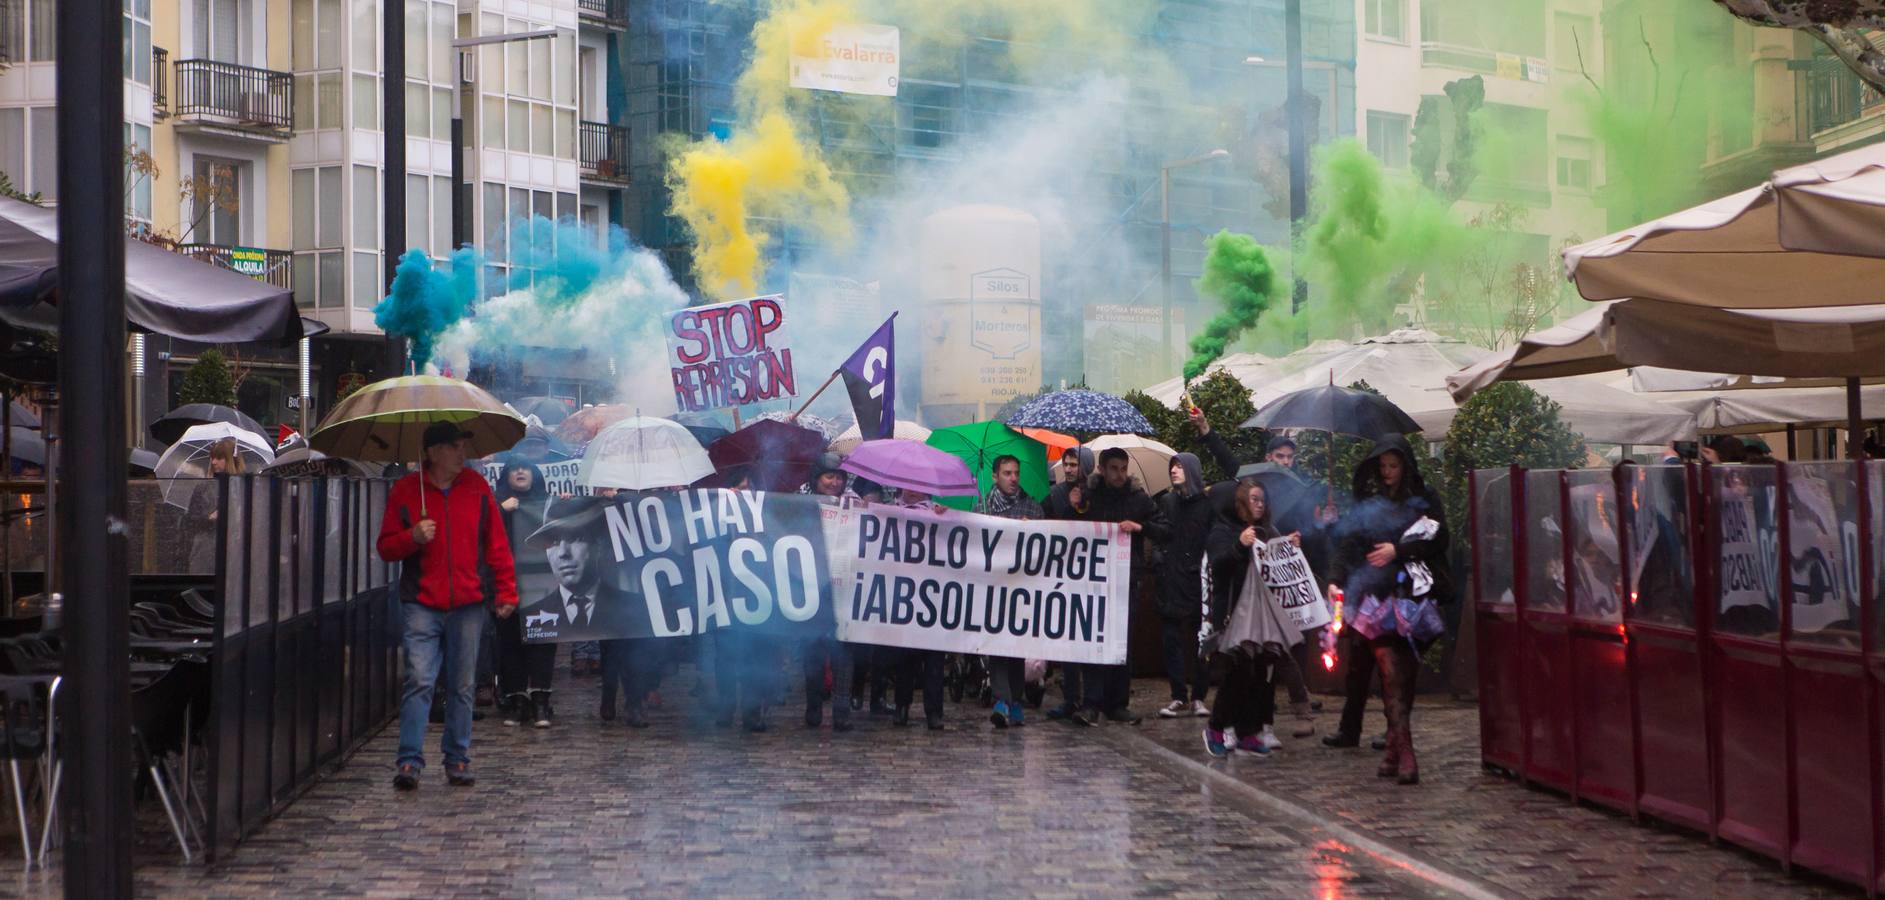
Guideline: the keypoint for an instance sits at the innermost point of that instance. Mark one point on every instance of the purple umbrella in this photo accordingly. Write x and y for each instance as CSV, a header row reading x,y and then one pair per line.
x,y
911,465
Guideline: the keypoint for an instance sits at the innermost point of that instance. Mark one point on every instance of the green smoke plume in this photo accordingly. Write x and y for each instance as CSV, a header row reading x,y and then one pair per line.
x,y
1371,238
1237,271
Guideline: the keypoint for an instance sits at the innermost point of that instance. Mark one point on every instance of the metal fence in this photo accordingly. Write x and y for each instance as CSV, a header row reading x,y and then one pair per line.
x,y
603,150
1700,644
160,82
303,669
242,95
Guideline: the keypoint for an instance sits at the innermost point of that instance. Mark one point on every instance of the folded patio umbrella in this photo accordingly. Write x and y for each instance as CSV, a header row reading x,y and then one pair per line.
x,y
979,444
909,465
165,293
641,453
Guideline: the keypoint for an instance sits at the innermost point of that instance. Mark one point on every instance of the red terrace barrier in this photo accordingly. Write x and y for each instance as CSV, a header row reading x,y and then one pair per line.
x,y
1699,644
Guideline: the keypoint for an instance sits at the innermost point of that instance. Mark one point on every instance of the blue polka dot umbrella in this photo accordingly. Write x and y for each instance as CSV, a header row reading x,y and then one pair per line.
x,y
1081,410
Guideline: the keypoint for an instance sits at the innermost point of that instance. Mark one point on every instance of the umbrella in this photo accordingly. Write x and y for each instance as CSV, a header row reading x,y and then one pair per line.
x,y
164,292
779,454
23,417
583,425
1339,410
1149,460
828,427
386,420
979,444
171,426
308,461
1056,443
29,446
1081,410
706,434
911,466
1834,205
548,410
185,466
1245,367
1283,489
905,430
640,453
540,446
143,462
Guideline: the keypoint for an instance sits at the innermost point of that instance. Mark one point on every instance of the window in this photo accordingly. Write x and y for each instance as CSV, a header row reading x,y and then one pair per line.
x,y
1387,138
495,245
1524,165
419,110
305,201
44,141
1572,38
327,34
1574,158
13,146
491,122
589,65
1386,19
366,102
1498,26
330,233
442,216
216,201
218,30
327,100
366,207
137,201
366,30
319,279
418,211
368,290
42,39
444,28
137,41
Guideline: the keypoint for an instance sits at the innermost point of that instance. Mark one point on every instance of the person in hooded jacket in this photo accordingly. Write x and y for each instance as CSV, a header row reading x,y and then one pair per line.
x,y
524,670
1112,495
1190,516
1246,633
1372,558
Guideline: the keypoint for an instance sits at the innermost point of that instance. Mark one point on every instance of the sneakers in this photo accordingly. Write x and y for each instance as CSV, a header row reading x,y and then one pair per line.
x,y
542,716
1122,715
1269,739
1086,718
1200,710
1173,709
998,716
1017,717
407,778
1253,744
459,775
1214,743
1062,711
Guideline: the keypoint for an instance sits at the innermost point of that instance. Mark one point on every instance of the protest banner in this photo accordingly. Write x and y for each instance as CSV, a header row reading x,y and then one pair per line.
x,y
559,478
1286,571
681,563
850,58
966,583
730,354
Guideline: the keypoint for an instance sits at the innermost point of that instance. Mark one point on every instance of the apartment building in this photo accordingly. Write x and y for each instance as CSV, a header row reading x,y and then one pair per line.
x,y
254,131
1537,59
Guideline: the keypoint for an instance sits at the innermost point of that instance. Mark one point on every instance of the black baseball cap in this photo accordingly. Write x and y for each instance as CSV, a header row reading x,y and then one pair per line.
x,y
1281,441
443,433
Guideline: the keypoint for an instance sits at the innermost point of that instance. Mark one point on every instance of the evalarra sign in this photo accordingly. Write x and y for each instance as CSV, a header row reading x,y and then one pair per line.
x,y
730,354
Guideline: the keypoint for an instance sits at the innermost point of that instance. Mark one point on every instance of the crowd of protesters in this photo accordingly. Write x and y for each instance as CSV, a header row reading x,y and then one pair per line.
x,y
1223,633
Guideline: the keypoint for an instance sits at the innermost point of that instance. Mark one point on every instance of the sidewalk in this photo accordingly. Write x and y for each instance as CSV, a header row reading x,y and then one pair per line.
x,y
1530,842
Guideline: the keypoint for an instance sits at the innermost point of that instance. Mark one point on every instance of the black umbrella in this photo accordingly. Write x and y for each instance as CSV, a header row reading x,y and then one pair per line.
x,y
177,421
1338,410
1284,490
548,410
706,434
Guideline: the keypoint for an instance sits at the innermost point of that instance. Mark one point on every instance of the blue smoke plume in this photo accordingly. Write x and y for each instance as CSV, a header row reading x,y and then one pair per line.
x,y
424,301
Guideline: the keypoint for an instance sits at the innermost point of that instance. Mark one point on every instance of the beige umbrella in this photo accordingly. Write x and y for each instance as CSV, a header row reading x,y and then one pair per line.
x,y
1245,367
386,420
1150,461
1834,205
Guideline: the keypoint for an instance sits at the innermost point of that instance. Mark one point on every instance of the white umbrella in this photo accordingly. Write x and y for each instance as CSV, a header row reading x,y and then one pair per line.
x,y
905,430
1834,205
641,453
185,467
1149,460
1245,367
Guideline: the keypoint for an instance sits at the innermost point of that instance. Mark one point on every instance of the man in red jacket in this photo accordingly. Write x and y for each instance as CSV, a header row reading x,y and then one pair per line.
x,y
443,523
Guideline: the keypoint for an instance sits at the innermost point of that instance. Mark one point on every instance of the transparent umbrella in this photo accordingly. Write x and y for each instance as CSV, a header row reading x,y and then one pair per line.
x,y
185,468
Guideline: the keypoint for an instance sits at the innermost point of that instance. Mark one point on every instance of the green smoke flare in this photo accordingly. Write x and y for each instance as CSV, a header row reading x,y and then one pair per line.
x,y
1238,272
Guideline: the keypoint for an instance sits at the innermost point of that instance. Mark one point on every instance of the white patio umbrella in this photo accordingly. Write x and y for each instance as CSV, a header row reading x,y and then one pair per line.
x,y
1834,205
641,453
1245,367
185,467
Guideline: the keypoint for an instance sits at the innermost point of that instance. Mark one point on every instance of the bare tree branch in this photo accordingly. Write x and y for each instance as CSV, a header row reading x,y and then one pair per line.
x,y
1839,24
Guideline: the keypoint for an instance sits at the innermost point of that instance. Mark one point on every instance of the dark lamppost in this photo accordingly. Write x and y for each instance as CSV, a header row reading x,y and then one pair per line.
x,y
1165,244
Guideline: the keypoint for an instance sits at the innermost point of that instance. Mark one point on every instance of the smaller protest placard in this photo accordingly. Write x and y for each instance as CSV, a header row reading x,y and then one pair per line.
x,y
730,354
1286,571
559,478
1743,579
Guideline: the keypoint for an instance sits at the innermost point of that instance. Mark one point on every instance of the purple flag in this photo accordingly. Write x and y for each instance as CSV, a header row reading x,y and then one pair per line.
x,y
870,376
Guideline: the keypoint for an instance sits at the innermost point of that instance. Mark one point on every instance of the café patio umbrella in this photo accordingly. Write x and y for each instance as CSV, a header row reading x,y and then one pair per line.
x,y
185,466
641,453
905,430
979,444
169,427
908,465
1148,460
1834,205
1081,410
777,455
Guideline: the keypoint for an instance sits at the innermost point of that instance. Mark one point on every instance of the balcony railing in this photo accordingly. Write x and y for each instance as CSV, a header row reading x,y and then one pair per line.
x,y
610,12
239,95
1834,95
273,266
603,151
160,82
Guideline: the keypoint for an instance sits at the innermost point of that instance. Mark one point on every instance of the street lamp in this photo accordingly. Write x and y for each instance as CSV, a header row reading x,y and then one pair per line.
x,y
1165,242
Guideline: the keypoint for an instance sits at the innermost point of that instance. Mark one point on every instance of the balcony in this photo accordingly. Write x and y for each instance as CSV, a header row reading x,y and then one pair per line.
x,y
611,14
273,266
160,82
603,151
231,99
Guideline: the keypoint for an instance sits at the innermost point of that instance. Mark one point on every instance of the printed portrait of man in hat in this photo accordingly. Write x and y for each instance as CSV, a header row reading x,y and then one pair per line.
x,y
584,605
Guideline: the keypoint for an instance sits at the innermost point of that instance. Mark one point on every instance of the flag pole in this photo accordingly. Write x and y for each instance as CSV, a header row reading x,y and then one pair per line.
x,y
808,401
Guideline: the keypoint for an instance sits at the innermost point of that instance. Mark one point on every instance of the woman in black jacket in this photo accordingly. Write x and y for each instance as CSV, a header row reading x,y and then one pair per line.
x,y
523,670
1246,644
1380,553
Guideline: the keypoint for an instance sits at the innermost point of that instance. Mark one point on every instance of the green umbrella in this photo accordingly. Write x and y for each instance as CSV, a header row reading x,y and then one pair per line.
x,y
979,443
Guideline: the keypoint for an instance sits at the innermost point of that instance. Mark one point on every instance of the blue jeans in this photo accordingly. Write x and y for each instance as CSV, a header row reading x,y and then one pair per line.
x,y
434,638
